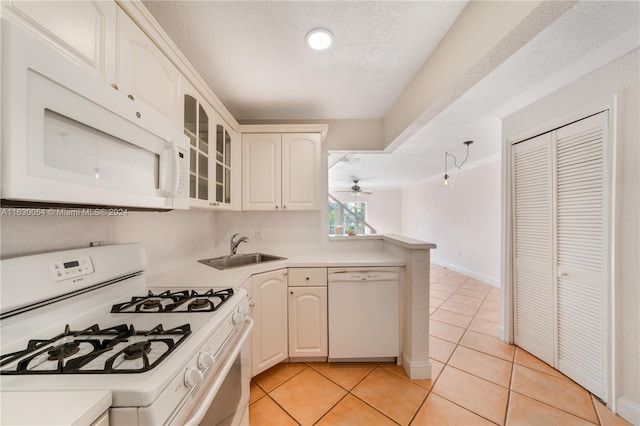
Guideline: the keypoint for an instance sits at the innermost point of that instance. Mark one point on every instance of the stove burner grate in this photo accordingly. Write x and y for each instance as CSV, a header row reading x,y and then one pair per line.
x,y
137,350
64,350
97,342
177,301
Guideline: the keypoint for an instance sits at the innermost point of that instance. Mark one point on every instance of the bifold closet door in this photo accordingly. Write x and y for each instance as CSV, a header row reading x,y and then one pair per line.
x,y
582,252
560,224
534,322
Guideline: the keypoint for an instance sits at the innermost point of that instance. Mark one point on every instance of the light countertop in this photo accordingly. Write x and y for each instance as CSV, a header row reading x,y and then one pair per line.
x,y
195,274
53,408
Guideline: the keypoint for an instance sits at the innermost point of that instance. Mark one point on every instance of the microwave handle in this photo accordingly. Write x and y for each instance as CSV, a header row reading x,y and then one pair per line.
x,y
170,189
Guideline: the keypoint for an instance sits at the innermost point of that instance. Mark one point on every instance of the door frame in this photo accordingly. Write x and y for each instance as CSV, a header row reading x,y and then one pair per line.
x,y
506,328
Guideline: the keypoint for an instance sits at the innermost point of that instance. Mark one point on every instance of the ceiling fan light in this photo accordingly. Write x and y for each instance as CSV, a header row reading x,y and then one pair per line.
x,y
319,39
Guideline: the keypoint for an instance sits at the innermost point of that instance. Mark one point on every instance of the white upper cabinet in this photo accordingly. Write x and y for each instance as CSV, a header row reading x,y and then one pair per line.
x,y
225,163
301,171
144,72
83,31
212,153
197,119
281,171
261,171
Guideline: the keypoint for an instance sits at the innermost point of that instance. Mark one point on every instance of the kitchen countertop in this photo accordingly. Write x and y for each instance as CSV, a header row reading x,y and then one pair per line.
x,y
53,408
195,274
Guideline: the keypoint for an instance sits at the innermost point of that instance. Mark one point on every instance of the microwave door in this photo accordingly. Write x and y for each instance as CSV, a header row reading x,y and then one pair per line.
x,y
69,138
88,154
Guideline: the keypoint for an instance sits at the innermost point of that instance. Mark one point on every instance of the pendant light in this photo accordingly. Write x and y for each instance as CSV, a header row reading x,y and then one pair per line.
x,y
446,182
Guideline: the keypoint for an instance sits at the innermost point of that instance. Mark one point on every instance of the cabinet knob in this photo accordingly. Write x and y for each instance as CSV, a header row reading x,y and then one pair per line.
x,y
277,207
115,86
130,96
307,278
284,207
291,292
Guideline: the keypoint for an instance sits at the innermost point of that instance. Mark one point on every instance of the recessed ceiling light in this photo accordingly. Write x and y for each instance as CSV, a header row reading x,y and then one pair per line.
x,y
319,39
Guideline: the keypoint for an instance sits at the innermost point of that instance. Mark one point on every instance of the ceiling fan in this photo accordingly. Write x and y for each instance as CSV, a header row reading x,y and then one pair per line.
x,y
356,189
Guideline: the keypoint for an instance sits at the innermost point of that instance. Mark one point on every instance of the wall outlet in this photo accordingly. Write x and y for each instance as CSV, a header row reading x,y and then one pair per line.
x,y
258,234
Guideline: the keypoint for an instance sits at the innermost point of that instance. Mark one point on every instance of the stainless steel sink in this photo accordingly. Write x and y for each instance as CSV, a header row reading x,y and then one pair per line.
x,y
237,260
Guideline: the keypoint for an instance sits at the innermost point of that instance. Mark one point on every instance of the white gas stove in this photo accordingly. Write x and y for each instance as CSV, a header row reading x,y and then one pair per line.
x,y
84,320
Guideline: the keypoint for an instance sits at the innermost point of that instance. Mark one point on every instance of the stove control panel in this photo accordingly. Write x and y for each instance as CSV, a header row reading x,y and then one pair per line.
x,y
73,268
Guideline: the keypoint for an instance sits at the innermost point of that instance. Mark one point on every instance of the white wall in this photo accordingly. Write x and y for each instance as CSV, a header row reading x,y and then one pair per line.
x,y
463,221
169,238
383,209
587,95
283,233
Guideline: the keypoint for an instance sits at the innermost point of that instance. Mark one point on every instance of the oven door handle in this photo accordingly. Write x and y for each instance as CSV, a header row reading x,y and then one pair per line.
x,y
201,410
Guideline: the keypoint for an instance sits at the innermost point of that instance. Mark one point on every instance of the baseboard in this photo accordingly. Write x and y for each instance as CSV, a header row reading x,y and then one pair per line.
x,y
416,370
485,279
628,410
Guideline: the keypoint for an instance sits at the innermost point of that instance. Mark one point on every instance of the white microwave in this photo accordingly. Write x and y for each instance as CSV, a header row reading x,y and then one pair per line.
x,y
69,138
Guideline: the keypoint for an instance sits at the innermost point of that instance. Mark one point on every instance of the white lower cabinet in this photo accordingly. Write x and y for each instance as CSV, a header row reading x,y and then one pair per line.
x,y
269,340
308,336
308,322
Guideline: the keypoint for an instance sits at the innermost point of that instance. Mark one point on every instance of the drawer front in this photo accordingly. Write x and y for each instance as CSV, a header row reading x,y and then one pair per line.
x,y
307,277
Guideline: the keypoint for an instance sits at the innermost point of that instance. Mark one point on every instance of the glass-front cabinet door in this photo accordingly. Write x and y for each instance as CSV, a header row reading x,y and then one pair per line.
x,y
212,150
223,166
196,127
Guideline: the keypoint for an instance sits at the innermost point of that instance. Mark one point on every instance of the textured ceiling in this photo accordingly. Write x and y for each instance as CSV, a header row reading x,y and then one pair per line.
x,y
566,50
254,57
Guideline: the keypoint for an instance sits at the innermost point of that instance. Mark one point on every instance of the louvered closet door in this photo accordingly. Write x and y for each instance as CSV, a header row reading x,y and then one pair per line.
x,y
582,247
533,246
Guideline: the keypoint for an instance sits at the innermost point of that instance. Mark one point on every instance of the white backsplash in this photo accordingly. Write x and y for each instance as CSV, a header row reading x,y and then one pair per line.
x,y
169,238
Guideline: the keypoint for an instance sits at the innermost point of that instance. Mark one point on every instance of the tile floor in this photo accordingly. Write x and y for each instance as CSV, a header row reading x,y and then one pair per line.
x,y
477,379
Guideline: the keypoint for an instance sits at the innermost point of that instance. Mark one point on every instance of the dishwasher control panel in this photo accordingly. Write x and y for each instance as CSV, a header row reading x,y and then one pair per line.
x,y
373,274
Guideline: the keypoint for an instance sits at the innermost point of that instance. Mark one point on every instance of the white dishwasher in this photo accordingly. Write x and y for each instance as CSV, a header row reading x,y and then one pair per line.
x,y
363,314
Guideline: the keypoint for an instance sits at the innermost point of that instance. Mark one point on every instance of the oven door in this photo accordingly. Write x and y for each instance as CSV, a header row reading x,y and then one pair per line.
x,y
225,400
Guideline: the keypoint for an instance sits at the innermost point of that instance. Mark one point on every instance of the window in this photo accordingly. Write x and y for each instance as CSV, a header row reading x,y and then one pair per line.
x,y
351,215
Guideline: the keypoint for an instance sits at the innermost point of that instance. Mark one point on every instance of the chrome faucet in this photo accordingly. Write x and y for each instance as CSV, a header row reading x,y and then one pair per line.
x,y
235,243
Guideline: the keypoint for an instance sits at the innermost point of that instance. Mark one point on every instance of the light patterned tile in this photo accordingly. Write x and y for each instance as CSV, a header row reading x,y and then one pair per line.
x,y
472,293
440,350
488,344
491,306
473,393
489,315
606,416
436,368
265,412
308,396
397,369
350,411
467,300
437,411
347,374
434,302
524,411
485,366
278,374
445,331
452,318
255,393
390,394
526,359
459,308
485,327
559,393
440,294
